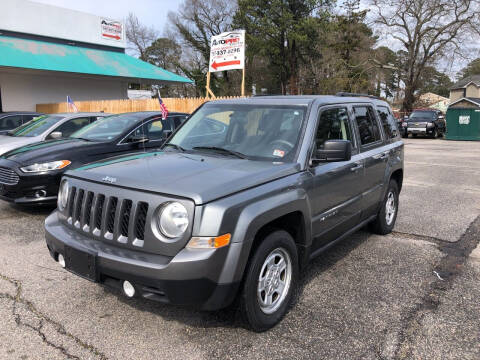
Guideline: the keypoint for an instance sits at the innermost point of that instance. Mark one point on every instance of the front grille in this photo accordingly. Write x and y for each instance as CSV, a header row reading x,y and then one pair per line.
x,y
8,176
107,217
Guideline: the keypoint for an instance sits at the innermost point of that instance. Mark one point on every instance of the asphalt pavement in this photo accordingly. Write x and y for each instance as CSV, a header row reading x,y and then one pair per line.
x,y
410,295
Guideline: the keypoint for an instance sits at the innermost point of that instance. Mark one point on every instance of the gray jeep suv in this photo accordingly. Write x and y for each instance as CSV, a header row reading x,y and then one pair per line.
x,y
234,204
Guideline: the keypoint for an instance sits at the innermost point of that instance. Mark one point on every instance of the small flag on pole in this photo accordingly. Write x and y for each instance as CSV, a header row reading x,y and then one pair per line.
x,y
163,107
71,104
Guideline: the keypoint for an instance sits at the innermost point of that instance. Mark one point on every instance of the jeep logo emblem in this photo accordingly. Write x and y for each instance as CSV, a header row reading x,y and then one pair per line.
x,y
109,179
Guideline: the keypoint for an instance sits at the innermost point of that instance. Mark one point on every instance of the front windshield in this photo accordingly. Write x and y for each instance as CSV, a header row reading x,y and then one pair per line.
x,y
36,126
107,128
422,115
259,132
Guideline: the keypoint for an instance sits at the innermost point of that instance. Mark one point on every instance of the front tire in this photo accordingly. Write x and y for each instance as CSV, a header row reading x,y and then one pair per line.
x,y
270,281
386,217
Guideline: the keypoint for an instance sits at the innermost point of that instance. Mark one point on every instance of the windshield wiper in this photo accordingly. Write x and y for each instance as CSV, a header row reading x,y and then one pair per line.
x,y
219,149
175,146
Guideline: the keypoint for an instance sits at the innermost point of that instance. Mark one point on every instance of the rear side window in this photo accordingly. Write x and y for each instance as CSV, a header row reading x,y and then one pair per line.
x,y
71,126
10,122
333,125
367,124
28,117
388,122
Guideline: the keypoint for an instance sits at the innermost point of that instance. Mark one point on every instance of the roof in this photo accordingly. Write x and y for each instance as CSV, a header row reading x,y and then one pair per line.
x,y
77,114
20,113
464,82
475,101
300,100
47,56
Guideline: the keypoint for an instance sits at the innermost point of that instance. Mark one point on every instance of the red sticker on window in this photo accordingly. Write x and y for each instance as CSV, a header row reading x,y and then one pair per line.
x,y
279,153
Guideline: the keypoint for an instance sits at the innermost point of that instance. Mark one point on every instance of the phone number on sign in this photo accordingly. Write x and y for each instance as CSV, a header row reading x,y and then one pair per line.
x,y
225,52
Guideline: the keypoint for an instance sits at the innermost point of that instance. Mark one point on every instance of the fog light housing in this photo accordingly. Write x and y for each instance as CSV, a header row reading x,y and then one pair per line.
x,y
128,289
61,260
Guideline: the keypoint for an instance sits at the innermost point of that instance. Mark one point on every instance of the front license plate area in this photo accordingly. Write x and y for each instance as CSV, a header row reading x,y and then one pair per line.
x,y
81,263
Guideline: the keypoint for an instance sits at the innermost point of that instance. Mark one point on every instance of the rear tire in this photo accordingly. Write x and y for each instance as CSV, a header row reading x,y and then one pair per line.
x,y
270,281
386,217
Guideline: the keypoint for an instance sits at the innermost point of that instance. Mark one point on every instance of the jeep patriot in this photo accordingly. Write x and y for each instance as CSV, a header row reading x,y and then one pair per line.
x,y
234,204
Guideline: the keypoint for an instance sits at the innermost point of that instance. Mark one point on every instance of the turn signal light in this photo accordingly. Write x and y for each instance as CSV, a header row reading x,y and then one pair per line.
x,y
209,242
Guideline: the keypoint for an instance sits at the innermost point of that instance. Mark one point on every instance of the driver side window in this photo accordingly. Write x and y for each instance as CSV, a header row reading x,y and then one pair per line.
x,y
333,125
71,126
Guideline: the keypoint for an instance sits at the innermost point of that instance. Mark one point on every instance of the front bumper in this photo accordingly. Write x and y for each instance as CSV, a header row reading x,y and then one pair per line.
x,y
420,130
189,278
32,189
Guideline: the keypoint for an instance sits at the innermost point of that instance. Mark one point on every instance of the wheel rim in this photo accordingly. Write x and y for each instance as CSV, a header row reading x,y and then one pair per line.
x,y
274,280
390,208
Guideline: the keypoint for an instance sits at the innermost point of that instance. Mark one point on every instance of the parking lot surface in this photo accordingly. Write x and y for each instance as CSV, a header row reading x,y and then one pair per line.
x,y
411,294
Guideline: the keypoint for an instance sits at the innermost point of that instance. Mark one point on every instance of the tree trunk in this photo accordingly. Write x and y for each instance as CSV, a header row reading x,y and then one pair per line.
x,y
409,99
293,81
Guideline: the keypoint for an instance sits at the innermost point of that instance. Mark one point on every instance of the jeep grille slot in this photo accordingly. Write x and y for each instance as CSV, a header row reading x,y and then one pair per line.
x,y
140,220
88,208
125,217
99,211
71,201
78,207
111,210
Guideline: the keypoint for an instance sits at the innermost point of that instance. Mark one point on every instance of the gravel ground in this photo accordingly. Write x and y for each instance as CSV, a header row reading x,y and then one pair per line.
x,y
411,294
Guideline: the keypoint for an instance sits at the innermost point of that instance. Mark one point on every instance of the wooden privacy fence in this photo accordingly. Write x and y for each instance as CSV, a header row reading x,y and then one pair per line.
x,y
187,105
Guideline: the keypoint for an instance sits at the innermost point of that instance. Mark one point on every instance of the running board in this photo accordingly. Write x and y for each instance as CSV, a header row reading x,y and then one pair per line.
x,y
317,252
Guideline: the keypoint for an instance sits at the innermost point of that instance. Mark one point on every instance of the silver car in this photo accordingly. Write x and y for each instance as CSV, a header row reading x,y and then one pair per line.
x,y
46,127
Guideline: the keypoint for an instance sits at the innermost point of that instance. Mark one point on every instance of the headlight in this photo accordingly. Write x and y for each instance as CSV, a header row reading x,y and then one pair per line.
x,y
173,220
404,124
49,166
430,124
63,195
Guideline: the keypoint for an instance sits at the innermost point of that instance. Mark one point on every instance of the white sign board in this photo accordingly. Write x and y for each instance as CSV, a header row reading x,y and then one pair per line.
x,y
111,29
227,51
464,120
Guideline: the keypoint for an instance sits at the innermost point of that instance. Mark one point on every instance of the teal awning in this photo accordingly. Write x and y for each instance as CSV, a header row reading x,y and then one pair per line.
x,y
41,55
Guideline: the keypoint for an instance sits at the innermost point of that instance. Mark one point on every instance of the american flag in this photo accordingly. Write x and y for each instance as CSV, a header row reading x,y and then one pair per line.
x,y
71,104
163,107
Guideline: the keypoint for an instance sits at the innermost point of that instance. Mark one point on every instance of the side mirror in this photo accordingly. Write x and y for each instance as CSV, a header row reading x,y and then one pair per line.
x,y
140,139
334,150
56,135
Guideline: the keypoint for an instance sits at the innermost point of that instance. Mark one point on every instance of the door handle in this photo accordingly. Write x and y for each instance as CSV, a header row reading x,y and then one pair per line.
x,y
381,156
357,167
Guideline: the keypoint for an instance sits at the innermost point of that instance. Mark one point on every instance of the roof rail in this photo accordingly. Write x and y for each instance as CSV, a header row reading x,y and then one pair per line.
x,y
347,94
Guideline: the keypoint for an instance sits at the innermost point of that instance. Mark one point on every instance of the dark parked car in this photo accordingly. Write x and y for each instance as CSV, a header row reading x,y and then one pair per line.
x,y
47,127
13,119
425,122
240,198
31,174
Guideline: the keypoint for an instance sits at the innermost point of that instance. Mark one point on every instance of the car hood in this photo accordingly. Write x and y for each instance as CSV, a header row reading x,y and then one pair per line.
x,y
8,143
44,151
200,177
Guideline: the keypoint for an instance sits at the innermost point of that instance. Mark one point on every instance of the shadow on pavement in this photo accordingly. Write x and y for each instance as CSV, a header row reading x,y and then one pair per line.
x,y
229,317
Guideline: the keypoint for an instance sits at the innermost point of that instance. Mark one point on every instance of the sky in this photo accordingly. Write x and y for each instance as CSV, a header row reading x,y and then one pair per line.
x,y
149,12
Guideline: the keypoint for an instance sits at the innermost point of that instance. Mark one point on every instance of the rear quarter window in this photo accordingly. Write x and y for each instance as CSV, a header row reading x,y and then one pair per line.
x,y
389,123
